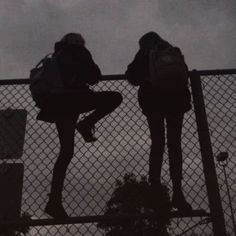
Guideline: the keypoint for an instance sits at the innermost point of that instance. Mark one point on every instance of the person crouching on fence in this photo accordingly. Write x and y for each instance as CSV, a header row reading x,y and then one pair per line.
x,y
77,71
160,71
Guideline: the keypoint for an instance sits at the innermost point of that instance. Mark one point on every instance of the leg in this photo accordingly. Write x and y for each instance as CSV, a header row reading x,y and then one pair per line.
x,y
66,130
102,103
157,131
81,101
174,131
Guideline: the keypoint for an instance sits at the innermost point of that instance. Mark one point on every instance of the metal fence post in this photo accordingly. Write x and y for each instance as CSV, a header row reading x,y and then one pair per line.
x,y
207,156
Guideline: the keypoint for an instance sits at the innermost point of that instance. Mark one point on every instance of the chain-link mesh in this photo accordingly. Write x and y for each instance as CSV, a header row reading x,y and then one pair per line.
x,y
220,103
123,146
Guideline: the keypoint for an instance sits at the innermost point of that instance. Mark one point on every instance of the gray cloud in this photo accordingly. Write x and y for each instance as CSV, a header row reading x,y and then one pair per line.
x,y
205,30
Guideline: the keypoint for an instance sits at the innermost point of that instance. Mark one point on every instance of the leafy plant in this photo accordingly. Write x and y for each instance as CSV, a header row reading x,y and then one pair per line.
x,y
16,231
133,197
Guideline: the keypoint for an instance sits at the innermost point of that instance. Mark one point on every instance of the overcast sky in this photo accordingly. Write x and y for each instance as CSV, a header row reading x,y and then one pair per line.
x,y
204,29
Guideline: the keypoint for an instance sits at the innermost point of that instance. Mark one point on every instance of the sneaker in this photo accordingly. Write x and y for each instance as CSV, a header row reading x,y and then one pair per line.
x,y
86,131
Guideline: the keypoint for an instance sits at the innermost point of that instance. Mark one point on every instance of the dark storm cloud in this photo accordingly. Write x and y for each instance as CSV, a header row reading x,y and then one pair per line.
x,y
205,30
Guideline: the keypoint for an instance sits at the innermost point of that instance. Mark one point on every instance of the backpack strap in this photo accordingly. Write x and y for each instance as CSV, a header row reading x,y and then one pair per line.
x,y
47,56
42,60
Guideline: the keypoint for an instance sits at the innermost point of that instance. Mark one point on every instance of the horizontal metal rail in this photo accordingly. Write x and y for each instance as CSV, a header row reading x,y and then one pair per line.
x,y
114,219
122,77
215,72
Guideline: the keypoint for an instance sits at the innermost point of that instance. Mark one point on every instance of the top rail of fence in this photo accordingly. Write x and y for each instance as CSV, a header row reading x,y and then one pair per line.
x,y
122,77
215,72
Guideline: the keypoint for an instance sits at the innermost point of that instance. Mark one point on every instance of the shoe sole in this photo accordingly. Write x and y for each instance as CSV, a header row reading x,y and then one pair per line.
x,y
86,140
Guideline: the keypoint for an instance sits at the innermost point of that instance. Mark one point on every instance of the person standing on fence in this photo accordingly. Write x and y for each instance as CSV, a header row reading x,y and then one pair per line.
x,y
161,74
78,71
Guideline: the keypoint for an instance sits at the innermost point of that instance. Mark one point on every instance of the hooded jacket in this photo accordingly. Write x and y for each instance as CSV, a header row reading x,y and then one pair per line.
x,y
152,99
77,68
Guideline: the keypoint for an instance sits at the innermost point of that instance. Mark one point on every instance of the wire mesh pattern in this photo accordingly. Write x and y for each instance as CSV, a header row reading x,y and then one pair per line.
x,y
122,147
220,103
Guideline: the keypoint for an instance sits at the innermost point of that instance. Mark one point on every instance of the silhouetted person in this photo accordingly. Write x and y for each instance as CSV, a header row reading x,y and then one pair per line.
x,y
78,71
160,106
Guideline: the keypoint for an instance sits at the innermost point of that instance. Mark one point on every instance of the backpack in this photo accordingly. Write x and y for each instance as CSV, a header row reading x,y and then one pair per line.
x,y
167,68
45,78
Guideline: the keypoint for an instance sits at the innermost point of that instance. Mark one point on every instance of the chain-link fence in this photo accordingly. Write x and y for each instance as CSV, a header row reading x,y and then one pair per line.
x,y
122,147
220,102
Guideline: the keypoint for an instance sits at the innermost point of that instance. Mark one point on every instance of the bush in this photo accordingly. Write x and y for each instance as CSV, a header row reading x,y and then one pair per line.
x,y
132,196
16,231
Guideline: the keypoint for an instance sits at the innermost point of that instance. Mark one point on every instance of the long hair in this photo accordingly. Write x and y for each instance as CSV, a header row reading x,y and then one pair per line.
x,y
151,39
73,38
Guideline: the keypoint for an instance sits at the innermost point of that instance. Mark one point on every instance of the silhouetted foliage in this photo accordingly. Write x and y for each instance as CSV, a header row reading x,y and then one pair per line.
x,y
133,197
16,231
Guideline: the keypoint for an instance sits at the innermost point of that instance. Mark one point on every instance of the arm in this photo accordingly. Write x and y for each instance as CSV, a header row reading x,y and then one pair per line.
x,y
186,66
88,69
76,65
137,70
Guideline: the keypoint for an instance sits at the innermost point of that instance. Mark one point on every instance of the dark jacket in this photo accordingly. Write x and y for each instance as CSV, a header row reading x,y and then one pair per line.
x,y
78,71
77,67
150,99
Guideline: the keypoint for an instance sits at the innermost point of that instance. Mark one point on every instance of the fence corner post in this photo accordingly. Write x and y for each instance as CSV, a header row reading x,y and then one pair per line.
x,y
214,199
